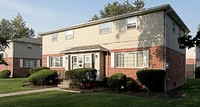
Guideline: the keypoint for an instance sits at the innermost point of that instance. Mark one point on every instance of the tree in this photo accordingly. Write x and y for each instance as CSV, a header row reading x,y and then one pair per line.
x,y
188,42
115,8
15,28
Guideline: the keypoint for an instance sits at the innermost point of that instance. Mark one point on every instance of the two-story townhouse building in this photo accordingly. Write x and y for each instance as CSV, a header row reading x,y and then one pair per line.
x,y
192,61
145,39
22,54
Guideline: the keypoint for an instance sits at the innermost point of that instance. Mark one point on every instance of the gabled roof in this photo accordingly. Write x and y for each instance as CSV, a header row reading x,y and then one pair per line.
x,y
27,40
166,7
90,48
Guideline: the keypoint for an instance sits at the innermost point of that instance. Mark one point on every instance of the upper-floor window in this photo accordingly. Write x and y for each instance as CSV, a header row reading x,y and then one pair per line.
x,y
69,34
29,46
105,28
54,37
131,22
56,61
174,27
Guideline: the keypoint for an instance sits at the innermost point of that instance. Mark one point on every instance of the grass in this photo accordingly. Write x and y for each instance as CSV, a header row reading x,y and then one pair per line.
x,y
8,85
190,91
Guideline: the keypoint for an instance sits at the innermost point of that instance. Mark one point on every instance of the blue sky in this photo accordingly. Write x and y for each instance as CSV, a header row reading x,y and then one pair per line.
x,y
46,15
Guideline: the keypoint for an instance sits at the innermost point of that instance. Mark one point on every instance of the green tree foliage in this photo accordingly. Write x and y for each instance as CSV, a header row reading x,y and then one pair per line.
x,y
15,28
115,8
188,42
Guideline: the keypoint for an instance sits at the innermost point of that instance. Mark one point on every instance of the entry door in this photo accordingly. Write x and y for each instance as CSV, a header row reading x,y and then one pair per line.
x,y
74,63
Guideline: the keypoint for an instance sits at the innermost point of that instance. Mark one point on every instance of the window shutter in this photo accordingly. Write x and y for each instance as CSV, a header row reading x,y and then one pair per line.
x,y
63,63
48,59
69,59
146,58
21,62
38,63
113,60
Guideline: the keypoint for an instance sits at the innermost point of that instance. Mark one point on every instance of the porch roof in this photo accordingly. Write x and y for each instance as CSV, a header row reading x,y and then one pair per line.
x,y
79,49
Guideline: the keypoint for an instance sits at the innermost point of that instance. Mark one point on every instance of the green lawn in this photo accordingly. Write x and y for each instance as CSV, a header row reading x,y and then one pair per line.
x,y
12,85
191,91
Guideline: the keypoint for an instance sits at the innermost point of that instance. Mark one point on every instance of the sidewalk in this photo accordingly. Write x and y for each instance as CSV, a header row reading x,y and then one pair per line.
x,y
35,91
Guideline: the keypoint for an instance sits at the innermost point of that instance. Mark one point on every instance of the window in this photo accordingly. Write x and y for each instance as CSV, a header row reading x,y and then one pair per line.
x,y
174,27
29,63
69,34
131,59
105,28
54,37
56,61
131,22
87,58
29,46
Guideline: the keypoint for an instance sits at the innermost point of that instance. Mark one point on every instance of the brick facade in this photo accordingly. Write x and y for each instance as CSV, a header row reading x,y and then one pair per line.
x,y
176,72
190,67
9,67
60,70
155,61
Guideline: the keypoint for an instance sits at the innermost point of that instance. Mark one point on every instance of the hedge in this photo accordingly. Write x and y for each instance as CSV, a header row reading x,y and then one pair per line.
x,y
5,74
84,76
132,85
33,70
153,79
117,80
44,77
197,72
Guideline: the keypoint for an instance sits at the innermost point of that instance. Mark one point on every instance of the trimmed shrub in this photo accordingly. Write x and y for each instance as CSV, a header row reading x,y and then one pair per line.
x,y
33,70
44,77
117,80
197,72
132,85
5,74
84,76
153,79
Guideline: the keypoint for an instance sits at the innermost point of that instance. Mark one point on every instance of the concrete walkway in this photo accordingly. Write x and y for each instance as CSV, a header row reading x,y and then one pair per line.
x,y
35,91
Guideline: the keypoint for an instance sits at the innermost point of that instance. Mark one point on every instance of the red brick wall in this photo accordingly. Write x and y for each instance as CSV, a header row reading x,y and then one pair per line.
x,y
190,67
155,61
9,67
60,70
176,72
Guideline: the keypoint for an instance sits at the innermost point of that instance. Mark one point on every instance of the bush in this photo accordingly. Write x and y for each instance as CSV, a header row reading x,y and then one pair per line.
x,y
197,72
44,77
132,85
5,74
117,80
33,70
84,76
152,79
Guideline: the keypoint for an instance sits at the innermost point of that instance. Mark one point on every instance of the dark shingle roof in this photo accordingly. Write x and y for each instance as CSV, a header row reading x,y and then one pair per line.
x,y
84,49
28,40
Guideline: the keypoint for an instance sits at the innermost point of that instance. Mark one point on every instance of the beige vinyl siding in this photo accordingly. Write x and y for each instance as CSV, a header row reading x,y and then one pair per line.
x,y
149,32
9,51
172,36
20,50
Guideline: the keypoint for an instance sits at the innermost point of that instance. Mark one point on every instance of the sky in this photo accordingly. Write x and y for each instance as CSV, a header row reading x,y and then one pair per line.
x,y
47,15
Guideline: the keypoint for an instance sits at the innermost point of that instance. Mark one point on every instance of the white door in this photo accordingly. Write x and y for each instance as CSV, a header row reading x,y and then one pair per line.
x,y
74,62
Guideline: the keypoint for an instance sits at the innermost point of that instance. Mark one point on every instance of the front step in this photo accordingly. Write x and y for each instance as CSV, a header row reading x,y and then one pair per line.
x,y
64,84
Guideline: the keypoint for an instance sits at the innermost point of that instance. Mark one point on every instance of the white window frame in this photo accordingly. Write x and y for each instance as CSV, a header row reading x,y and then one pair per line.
x,y
131,22
69,34
53,61
87,61
29,46
28,63
145,59
54,37
105,28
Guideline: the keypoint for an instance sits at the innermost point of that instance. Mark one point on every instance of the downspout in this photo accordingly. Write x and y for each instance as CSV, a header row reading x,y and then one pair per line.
x,y
165,50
